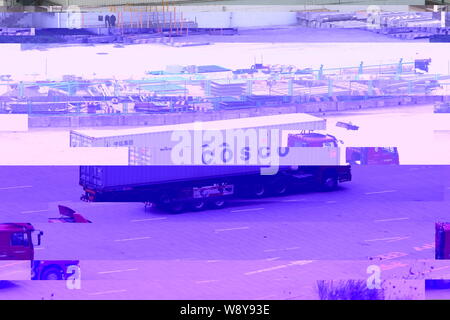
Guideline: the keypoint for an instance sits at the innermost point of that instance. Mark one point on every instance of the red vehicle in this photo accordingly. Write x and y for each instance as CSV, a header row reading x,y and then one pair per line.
x,y
312,140
16,243
68,216
354,155
372,155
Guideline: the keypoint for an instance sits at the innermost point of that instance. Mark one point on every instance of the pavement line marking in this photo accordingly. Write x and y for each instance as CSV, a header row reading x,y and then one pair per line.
x,y
284,249
15,187
384,239
131,239
399,238
293,200
212,261
231,229
152,219
206,281
106,292
272,259
35,211
378,192
11,264
243,210
294,263
394,219
440,268
116,271
267,269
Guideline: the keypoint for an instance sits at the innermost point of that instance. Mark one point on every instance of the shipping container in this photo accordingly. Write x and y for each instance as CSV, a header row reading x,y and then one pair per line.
x,y
105,178
248,155
160,136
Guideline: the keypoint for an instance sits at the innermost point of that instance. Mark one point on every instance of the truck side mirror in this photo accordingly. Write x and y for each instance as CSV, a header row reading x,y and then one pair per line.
x,y
39,237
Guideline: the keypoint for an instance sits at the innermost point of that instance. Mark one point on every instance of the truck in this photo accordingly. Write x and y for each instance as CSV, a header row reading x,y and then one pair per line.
x,y
196,187
17,245
178,188
372,155
153,176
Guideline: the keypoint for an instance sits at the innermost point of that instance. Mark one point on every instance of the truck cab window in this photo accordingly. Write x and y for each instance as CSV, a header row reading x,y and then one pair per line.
x,y
19,239
329,144
389,150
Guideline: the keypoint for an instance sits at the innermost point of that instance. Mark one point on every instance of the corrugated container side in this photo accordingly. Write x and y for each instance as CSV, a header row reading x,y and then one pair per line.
x,y
305,156
163,139
79,140
110,177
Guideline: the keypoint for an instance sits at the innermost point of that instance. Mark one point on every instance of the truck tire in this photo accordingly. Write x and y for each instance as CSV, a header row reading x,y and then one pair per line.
x,y
279,187
167,202
176,206
329,182
198,205
258,190
217,203
52,273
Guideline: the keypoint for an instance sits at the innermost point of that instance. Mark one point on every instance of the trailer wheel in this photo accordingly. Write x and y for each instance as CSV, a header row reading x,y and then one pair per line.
x,y
279,187
198,205
52,274
258,190
218,203
329,182
176,206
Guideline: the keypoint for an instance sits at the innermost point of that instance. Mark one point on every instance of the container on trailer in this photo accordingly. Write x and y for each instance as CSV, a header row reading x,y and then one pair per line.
x,y
161,136
303,156
116,177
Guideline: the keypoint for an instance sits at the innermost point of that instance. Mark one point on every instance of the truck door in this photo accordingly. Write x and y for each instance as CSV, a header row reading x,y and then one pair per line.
x,y
20,246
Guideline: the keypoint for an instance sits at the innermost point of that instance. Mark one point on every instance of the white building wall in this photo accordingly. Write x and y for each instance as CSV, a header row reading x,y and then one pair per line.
x,y
241,19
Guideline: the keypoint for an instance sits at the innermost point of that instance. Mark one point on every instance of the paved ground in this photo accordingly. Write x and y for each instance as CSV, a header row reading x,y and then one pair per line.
x,y
274,248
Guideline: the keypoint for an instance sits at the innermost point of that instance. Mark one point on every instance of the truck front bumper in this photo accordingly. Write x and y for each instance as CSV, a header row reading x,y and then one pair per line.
x,y
345,174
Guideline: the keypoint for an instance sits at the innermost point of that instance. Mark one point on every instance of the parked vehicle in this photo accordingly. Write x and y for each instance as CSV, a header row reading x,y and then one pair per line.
x,y
372,155
16,243
197,187
442,107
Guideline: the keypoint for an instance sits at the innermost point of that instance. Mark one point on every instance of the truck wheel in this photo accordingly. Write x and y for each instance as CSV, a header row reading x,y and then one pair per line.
x,y
176,207
218,203
279,188
258,190
329,182
51,274
198,205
